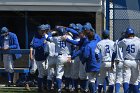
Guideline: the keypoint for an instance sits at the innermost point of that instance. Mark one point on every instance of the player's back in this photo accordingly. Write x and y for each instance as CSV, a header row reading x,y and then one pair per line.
x,y
51,46
131,48
61,47
106,47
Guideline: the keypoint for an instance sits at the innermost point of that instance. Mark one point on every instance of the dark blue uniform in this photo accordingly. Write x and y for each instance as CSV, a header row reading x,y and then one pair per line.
x,y
92,64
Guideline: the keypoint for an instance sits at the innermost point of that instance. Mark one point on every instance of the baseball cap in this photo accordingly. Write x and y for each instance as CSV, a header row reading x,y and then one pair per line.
x,y
106,32
48,27
42,27
4,30
87,27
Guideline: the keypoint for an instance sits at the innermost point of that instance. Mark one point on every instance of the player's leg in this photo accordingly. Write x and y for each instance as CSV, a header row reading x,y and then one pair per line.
x,y
118,80
83,78
101,78
92,78
75,74
111,78
126,77
67,74
41,72
59,72
134,77
8,65
45,64
50,75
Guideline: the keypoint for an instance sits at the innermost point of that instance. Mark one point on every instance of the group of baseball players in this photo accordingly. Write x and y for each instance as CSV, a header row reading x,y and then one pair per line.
x,y
76,59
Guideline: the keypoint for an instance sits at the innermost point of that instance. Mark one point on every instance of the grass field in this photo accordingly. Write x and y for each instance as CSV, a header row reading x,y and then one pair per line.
x,y
17,90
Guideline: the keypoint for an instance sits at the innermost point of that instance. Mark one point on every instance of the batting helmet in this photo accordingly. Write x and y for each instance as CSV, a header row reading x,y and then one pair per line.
x,y
129,31
61,30
72,25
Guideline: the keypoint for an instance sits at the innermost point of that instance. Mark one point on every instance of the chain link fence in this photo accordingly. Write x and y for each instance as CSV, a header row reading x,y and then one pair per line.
x,y
123,14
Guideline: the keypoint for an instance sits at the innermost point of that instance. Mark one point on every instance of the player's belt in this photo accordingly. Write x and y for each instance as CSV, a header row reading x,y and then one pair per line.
x,y
64,54
130,59
106,61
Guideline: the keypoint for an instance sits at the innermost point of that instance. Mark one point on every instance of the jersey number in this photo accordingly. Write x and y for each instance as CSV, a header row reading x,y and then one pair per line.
x,y
130,48
107,49
62,44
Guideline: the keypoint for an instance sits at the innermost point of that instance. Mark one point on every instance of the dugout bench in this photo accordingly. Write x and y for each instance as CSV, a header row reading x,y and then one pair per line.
x,y
22,64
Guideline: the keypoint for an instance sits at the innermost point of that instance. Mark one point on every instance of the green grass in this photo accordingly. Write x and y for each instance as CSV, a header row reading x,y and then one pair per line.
x,y
17,90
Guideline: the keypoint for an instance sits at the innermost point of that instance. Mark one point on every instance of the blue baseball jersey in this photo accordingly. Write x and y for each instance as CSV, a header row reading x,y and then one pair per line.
x,y
39,44
92,64
81,44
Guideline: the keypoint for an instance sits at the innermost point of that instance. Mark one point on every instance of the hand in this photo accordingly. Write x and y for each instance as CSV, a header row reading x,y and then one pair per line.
x,y
7,48
69,59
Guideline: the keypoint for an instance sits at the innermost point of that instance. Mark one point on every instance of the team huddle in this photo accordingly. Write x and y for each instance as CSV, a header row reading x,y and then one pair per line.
x,y
74,58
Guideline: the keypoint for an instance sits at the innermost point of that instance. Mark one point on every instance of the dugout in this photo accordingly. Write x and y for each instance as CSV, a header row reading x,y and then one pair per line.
x,y
22,16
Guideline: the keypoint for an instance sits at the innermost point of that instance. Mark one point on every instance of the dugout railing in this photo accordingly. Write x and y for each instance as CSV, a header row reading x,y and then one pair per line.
x,y
21,65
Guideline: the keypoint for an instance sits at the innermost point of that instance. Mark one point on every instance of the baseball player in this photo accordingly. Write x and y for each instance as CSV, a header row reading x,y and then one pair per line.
x,y
64,51
131,50
92,63
83,41
105,47
32,60
96,36
76,62
117,57
52,59
39,44
8,40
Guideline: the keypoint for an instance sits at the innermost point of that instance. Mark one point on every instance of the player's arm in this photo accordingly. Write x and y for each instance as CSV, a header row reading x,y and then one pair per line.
x,y
15,43
98,52
48,37
86,52
113,59
74,42
32,44
75,54
31,54
121,43
74,32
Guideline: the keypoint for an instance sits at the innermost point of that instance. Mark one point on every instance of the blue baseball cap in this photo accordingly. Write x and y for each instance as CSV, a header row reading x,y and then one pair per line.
x,y
4,30
79,27
106,32
87,27
61,30
48,27
130,30
42,27
72,25
89,24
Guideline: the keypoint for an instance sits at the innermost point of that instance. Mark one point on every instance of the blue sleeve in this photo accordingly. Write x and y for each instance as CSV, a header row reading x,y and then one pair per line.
x,y
74,32
72,41
86,52
113,56
15,43
76,53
